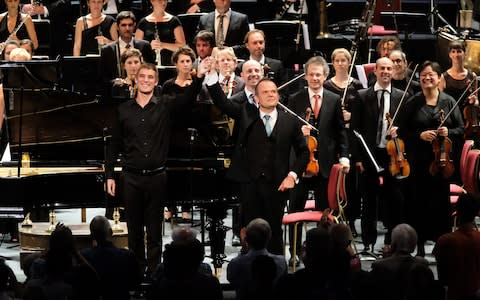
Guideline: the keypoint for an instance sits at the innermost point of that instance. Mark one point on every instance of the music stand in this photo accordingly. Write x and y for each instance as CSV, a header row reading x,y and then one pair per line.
x,y
282,40
42,28
28,76
81,74
189,24
405,22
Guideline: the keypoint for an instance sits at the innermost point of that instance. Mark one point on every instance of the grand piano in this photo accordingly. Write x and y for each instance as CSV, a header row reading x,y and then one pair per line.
x,y
66,131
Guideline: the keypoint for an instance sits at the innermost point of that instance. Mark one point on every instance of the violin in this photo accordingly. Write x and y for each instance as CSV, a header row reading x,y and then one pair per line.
x,y
472,122
441,146
399,166
312,167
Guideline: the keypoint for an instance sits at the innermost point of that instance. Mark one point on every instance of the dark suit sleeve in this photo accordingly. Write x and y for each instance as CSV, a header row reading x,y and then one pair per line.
x,y
357,113
147,53
233,109
342,139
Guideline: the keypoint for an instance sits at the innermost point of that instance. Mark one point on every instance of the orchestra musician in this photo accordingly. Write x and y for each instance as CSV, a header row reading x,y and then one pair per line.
x,y
430,202
255,44
204,42
386,45
401,73
15,25
162,30
341,60
110,55
455,80
183,60
369,119
94,30
142,135
124,86
261,162
332,137
234,24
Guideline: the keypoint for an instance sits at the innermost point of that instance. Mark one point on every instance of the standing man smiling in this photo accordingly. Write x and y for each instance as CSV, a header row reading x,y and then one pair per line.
x,y
142,135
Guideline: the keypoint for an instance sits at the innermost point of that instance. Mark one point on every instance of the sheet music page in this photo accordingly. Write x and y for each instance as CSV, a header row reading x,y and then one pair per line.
x,y
361,75
306,36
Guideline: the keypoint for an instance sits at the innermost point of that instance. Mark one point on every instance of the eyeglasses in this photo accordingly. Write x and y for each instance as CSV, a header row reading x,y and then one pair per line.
x,y
431,75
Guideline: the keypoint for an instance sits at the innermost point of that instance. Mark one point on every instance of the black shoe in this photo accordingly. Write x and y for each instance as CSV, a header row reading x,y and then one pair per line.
x,y
366,248
236,241
293,260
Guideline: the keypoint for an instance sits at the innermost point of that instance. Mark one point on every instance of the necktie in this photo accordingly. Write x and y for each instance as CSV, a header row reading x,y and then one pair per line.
x,y
268,126
381,116
251,99
128,46
220,36
316,106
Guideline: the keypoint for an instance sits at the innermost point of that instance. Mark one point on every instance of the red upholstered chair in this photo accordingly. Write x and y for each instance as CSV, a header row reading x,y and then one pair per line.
x,y
336,201
454,188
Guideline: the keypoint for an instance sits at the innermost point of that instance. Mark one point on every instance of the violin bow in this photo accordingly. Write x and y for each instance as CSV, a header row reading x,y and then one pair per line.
x,y
403,98
297,116
352,64
457,102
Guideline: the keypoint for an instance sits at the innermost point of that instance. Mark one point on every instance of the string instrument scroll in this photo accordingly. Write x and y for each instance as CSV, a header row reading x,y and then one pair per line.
x,y
471,113
442,146
312,167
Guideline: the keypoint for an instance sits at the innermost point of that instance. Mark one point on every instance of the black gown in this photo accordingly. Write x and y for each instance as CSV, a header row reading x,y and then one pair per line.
x,y
89,43
165,33
429,205
5,33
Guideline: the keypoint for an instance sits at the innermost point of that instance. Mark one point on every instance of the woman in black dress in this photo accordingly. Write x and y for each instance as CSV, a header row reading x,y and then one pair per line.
x,y
419,125
11,21
341,60
94,30
183,60
163,30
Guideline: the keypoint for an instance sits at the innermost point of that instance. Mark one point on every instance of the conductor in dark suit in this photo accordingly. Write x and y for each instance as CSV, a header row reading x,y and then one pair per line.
x,y
332,141
261,158
234,24
111,53
368,118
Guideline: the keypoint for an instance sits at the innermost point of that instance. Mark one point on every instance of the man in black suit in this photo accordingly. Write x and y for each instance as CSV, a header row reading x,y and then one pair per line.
x,y
235,24
273,68
368,118
332,137
111,53
261,159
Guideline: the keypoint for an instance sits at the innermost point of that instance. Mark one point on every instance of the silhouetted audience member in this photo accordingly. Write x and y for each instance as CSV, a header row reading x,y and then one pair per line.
x,y
8,282
389,276
240,271
315,280
117,268
61,272
457,253
180,277
421,284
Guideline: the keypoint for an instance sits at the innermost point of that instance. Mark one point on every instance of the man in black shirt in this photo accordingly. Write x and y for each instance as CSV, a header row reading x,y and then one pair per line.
x,y
142,135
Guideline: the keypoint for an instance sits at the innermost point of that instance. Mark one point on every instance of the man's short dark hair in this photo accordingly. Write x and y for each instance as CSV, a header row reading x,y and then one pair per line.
x,y
126,14
206,36
100,229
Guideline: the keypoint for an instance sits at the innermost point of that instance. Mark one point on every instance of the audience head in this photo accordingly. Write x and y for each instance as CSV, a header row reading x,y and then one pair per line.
x,y
317,247
27,44
404,239
7,277
182,257
255,43
316,71
130,61
61,250
101,230
204,42
9,46
383,71
252,73
126,25
467,207
258,234
183,234
19,54
183,59
386,45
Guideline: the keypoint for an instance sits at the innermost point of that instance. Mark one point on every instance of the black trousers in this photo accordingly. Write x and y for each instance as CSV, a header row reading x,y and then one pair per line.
x,y
388,196
144,197
261,199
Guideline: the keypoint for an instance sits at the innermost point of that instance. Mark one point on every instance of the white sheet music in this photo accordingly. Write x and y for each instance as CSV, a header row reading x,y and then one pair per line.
x,y
361,75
